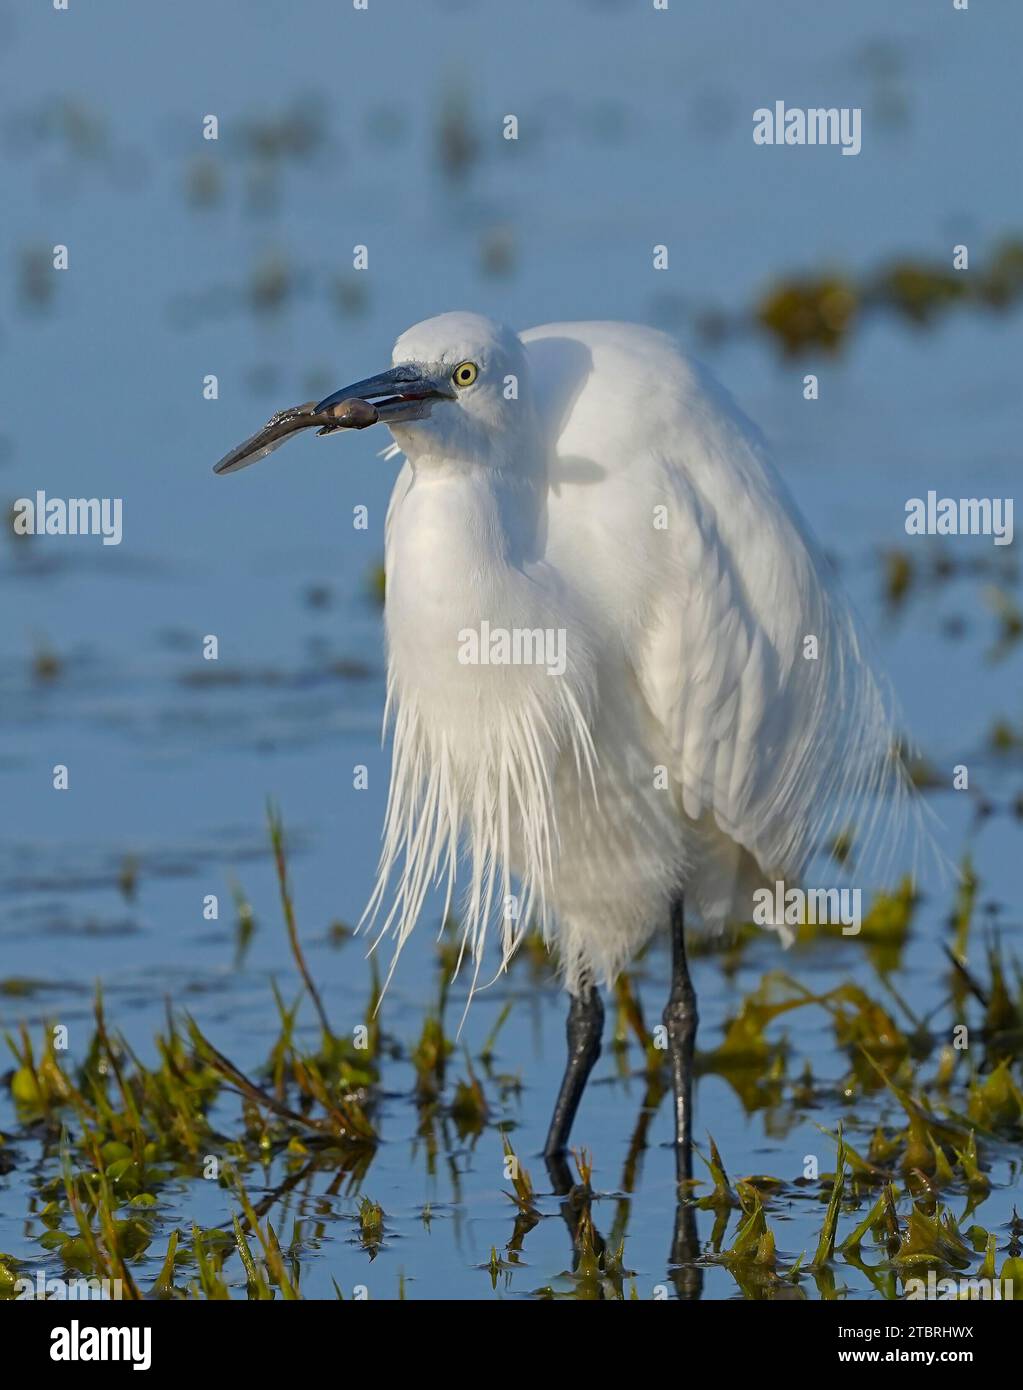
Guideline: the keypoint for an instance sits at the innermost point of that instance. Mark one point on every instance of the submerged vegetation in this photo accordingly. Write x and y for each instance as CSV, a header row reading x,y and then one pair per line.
x,y
930,1119
818,312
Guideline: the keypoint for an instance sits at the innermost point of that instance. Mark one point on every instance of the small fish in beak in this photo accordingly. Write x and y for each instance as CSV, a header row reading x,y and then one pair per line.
x,y
349,414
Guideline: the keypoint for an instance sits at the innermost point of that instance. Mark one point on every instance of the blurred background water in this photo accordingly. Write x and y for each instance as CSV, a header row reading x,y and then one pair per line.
x,y
188,257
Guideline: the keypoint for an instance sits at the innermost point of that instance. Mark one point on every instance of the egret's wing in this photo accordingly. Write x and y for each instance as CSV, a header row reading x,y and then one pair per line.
x,y
752,667
666,512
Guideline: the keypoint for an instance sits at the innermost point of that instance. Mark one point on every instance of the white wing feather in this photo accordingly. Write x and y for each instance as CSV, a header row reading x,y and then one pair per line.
x,y
697,552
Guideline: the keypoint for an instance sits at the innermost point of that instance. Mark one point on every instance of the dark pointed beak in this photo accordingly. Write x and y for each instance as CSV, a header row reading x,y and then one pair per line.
x,y
403,393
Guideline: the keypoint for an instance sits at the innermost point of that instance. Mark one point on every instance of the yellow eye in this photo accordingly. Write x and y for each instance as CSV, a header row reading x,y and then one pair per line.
x,y
465,374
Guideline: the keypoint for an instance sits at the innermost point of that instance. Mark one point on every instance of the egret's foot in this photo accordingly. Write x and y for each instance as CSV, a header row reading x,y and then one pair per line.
x,y
686,1275
559,1173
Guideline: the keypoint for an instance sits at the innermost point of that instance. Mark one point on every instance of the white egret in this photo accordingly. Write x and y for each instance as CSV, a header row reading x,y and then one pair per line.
x,y
621,674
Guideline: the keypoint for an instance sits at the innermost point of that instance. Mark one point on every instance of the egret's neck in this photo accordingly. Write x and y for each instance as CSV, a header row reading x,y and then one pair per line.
x,y
492,506
460,547
457,538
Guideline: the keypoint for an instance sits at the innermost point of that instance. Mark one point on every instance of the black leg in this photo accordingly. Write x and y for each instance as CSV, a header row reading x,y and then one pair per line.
x,y
685,1273
585,1026
680,1019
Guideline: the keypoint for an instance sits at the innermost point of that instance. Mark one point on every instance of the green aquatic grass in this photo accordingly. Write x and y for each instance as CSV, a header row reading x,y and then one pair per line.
x,y
115,1136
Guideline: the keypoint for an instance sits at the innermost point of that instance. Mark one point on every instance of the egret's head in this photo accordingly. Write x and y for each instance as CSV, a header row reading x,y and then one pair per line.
x,y
457,391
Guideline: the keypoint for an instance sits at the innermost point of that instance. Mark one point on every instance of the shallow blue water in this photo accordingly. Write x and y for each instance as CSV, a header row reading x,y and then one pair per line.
x,y
635,131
